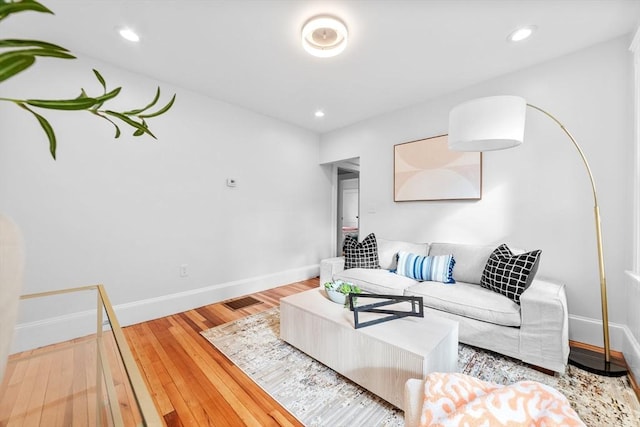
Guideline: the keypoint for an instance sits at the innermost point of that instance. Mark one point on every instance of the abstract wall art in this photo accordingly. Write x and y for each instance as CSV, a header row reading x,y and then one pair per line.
x,y
427,170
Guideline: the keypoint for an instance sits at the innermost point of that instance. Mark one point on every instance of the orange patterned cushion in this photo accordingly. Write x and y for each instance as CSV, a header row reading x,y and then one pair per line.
x,y
461,400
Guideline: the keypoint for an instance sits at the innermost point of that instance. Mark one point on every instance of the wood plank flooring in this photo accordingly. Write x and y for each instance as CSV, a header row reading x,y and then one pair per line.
x,y
191,382
56,386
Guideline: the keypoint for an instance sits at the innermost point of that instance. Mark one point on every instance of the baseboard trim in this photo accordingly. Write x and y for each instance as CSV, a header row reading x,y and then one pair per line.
x,y
153,308
632,357
589,331
28,336
615,355
56,329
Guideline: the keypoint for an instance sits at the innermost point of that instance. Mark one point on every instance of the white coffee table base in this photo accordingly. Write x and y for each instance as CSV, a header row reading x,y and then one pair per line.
x,y
380,358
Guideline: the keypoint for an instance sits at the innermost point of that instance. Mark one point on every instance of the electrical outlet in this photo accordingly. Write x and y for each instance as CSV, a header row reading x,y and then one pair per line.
x,y
184,270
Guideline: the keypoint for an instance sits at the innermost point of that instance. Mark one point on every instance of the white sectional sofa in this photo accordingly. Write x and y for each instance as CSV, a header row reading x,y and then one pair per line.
x,y
534,331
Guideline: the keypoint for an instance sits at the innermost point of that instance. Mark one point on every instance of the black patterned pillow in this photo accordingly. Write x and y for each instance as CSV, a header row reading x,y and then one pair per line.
x,y
360,255
510,274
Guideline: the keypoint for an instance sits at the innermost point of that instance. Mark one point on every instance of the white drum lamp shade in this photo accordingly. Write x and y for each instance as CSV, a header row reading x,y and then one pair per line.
x,y
486,124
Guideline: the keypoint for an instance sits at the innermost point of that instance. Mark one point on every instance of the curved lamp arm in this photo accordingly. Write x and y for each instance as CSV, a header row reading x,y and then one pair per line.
x,y
603,279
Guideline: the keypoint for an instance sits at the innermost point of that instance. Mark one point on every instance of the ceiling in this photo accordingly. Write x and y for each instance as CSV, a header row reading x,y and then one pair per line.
x,y
400,52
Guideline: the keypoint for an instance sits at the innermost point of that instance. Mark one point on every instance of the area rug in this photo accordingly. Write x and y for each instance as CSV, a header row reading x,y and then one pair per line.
x,y
317,396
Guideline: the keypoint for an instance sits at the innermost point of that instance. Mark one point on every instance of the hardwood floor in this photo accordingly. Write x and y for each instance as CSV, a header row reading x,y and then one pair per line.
x,y
56,386
191,382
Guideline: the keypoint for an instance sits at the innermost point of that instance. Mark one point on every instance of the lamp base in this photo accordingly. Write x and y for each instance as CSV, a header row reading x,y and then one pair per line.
x,y
594,362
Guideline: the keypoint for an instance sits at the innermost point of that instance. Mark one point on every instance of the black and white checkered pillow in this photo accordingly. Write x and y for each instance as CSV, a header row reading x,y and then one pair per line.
x,y
510,274
360,255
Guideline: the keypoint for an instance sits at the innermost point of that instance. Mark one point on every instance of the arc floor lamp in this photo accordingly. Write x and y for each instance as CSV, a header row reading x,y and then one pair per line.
x,y
496,123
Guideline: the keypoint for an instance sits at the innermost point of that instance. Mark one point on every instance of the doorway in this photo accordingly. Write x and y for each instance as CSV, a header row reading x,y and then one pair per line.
x,y
348,202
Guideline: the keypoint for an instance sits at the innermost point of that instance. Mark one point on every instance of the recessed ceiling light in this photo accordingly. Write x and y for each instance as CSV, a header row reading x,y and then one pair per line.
x,y
319,113
521,33
129,34
324,36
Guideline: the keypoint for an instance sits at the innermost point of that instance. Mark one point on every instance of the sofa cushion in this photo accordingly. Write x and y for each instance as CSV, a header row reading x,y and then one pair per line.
x,y
388,251
469,300
376,281
437,268
510,274
360,255
470,259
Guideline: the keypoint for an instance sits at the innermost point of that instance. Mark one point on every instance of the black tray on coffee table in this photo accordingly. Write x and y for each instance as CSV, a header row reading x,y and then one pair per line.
x,y
417,309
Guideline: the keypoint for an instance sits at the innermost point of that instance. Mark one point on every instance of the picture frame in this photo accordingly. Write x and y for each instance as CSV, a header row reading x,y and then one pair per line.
x,y
427,170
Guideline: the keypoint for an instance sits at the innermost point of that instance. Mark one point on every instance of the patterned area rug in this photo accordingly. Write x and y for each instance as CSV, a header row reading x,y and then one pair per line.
x,y
317,396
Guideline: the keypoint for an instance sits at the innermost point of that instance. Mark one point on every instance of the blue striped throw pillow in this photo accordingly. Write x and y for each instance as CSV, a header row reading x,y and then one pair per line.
x,y
437,268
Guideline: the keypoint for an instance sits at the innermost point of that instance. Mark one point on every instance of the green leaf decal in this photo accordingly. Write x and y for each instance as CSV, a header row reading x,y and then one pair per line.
x,y
13,65
63,104
161,111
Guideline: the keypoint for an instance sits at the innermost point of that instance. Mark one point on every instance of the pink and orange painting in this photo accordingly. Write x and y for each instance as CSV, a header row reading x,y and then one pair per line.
x,y
427,170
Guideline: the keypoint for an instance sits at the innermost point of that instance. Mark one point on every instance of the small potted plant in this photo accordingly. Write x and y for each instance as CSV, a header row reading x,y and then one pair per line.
x,y
338,291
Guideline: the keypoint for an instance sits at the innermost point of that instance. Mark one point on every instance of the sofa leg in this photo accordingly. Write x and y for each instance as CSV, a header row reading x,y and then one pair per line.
x,y
541,369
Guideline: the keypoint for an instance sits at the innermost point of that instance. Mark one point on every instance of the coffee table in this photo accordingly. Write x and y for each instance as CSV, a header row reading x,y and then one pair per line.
x,y
380,358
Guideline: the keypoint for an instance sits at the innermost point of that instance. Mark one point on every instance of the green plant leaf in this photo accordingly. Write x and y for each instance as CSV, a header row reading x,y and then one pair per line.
x,y
38,52
143,124
13,65
47,130
151,104
161,111
102,99
7,9
108,96
83,94
63,104
100,79
32,43
138,133
130,122
117,135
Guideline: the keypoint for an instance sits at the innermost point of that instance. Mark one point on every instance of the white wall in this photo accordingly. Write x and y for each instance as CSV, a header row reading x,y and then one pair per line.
x,y
535,196
128,212
632,348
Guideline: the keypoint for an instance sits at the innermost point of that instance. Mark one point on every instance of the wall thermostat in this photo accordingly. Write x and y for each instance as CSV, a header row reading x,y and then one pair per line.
x,y
231,182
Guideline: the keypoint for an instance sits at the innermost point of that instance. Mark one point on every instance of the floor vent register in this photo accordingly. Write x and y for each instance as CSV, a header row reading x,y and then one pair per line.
x,y
242,303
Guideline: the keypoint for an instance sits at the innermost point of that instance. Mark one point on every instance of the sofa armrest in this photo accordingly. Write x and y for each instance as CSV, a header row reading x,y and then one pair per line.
x,y
329,267
544,332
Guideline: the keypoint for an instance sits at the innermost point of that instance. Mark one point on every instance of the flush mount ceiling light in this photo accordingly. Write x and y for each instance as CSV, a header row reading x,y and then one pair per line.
x,y
324,36
521,33
129,34
319,113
